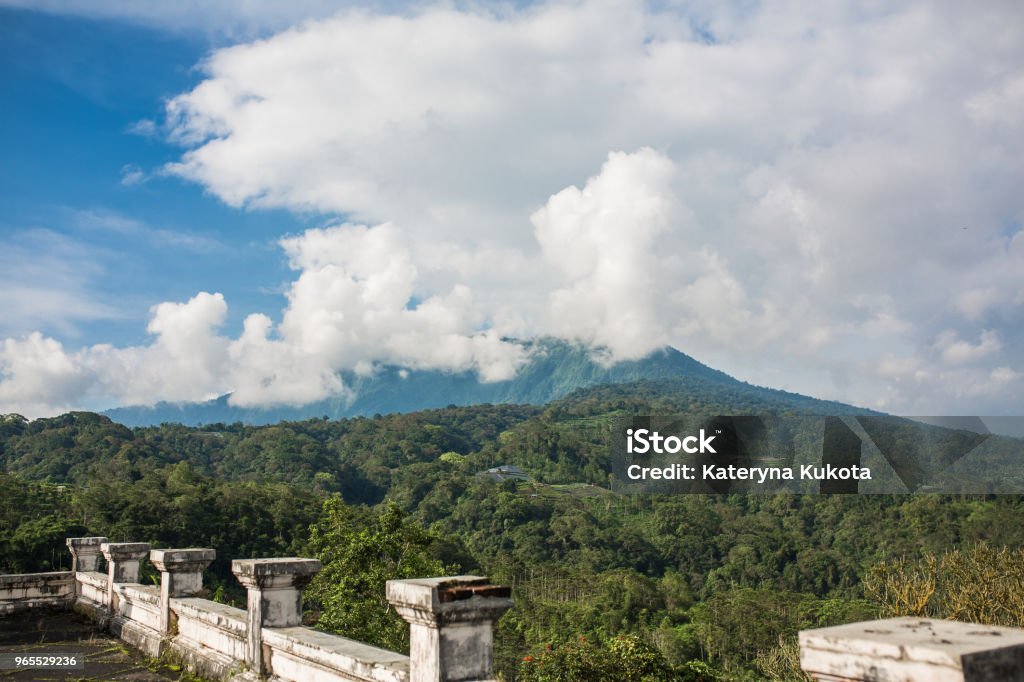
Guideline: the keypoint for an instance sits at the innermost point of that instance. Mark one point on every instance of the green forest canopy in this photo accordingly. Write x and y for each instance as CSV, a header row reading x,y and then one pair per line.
x,y
677,587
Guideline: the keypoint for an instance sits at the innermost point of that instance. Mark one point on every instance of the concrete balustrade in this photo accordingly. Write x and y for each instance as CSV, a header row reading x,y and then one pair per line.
x,y
21,592
451,619
451,624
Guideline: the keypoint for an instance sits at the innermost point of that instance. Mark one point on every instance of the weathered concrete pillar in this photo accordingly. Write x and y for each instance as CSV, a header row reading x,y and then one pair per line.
x,y
181,575
123,560
913,650
85,553
274,597
451,622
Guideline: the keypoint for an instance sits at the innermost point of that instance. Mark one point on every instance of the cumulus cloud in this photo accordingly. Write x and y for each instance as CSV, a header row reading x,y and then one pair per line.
x,y
602,242
353,306
38,378
356,303
824,199
184,362
956,351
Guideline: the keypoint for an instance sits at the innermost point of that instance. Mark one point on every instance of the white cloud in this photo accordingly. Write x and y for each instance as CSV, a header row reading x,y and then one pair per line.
x,y
356,301
132,175
1004,375
143,128
956,351
184,362
973,303
834,207
354,305
603,242
38,378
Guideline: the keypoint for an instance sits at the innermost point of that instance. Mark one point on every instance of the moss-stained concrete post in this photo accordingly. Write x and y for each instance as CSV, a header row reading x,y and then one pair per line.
x,y
123,561
181,575
274,597
85,553
913,650
451,625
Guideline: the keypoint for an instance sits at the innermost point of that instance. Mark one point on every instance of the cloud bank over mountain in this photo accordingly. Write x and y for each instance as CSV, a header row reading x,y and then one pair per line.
x,y
821,198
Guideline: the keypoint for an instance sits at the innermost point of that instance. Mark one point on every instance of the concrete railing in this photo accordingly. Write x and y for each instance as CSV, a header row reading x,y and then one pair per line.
x,y
913,650
21,592
451,619
451,625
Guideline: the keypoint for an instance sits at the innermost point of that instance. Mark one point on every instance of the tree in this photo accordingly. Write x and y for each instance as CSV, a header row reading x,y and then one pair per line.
x,y
978,584
626,658
361,551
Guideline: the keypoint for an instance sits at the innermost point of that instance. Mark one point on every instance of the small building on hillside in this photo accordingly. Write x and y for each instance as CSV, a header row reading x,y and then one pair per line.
x,y
505,472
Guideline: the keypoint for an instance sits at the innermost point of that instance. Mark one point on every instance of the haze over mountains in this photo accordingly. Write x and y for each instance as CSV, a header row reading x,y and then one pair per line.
x,y
555,369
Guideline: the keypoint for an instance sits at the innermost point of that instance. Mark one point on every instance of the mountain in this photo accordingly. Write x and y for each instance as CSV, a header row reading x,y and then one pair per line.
x,y
554,370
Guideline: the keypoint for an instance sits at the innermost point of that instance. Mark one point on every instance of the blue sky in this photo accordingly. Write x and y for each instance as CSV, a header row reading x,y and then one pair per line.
x,y
199,198
75,90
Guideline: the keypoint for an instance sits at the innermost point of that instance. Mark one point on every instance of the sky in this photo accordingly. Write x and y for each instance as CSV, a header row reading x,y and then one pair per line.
x,y
201,198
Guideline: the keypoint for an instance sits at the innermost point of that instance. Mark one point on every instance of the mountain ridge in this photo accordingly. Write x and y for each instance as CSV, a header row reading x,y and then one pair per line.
x,y
554,370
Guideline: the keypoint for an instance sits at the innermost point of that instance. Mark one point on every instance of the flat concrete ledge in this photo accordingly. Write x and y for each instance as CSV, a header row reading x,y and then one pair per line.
x,y
346,656
23,591
147,594
92,578
218,615
9,580
913,650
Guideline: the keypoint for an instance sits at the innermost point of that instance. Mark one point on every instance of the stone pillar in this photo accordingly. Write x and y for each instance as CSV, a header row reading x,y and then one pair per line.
x,y
451,623
913,650
123,560
275,597
181,575
85,553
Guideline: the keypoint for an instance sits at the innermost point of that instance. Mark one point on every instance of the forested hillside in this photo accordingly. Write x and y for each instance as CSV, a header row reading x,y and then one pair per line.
x,y
692,587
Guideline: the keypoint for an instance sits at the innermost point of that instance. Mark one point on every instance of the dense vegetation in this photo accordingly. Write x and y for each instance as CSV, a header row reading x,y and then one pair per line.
x,y
660,587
